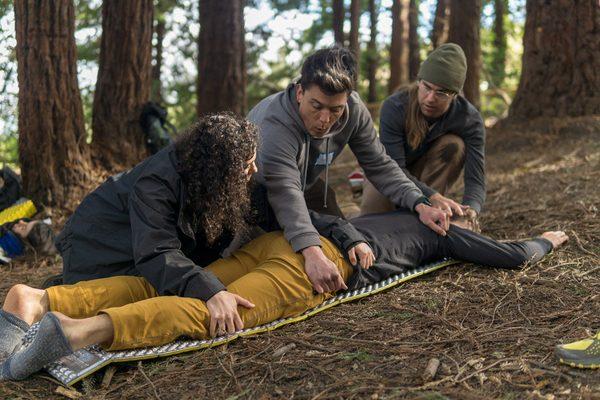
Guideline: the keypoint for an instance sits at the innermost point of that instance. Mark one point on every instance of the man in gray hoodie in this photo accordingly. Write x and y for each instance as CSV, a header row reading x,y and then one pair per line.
x,y
303,129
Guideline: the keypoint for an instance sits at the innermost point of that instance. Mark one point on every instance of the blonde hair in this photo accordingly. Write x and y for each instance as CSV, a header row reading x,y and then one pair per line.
x,y
416,124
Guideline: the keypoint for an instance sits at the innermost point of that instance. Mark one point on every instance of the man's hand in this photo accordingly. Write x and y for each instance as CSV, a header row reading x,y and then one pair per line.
x,y
468,221
364,253
224,317
435,219
322,273
449,206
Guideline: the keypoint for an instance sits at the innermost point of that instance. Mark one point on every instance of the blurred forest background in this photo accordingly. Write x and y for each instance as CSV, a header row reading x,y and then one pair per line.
x,y
74,75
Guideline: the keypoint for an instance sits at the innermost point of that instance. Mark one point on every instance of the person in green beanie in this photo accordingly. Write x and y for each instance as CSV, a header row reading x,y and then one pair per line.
x,y
433,133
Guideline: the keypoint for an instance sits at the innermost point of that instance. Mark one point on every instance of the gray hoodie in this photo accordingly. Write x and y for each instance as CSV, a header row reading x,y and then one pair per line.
x,y
290,160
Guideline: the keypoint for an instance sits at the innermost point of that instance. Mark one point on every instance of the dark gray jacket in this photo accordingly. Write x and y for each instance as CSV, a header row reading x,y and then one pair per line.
x,y
135,223
290,160
461,119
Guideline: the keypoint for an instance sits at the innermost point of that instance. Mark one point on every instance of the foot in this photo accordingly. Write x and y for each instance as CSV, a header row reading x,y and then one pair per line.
x,y
581,354
557,238
50,344
12,332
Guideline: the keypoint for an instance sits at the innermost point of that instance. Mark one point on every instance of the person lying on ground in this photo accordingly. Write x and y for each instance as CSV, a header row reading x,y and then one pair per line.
x,y
17,235
128,312
433,133
169,216
303,129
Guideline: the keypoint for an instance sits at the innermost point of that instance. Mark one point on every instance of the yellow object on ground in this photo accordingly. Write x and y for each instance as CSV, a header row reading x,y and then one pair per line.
x,y
580,354
13,213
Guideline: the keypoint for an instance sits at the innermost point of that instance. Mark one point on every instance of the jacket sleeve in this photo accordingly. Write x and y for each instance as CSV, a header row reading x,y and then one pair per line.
x,y
153,208
279,173
381,170
474,137
393,137
341,232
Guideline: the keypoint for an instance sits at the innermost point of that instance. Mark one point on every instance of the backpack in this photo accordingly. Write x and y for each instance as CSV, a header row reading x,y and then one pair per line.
x,y
156,128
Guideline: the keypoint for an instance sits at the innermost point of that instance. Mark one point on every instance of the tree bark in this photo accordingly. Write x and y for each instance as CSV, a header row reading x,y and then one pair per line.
x,y
499,52
354,42
372,54
338,21
465,17
414,56
221,57
124,82
561,60
400,46
159,30
439,31
53,153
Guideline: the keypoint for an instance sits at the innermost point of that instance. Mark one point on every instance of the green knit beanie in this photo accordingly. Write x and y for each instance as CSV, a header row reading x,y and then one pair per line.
x,y
446,66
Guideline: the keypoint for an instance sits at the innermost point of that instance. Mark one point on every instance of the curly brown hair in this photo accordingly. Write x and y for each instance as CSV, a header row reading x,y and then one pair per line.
x,y
213,154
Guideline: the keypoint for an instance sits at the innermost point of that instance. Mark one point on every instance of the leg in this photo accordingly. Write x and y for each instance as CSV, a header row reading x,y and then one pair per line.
x,y
440,166
277,285
466,245
373,201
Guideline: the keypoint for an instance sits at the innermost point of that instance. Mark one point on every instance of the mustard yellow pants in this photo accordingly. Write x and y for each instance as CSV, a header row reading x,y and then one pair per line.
x,y
266,271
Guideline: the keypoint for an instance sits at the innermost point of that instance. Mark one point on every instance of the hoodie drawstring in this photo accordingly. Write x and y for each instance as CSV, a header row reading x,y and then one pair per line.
x,y
326,174
306,151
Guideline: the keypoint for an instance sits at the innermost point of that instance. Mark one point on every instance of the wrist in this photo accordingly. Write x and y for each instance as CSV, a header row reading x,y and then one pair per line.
x,y
312,252
421,203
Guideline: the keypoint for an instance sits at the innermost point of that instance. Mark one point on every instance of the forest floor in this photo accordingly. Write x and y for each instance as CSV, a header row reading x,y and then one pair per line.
x,y
492,330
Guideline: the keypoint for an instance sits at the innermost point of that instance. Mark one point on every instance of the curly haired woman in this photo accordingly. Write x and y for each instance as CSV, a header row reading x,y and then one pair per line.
x,y
169,216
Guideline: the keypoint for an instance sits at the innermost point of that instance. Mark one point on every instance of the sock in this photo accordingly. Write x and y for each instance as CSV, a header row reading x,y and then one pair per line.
x,y
12,331
49,344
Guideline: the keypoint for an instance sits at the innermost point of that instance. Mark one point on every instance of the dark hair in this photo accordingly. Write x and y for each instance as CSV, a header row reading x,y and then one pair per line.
x,y
41,238
212,157
332,69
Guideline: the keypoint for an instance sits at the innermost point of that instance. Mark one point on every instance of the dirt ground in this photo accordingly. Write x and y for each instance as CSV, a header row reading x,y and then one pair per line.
x,y
492,330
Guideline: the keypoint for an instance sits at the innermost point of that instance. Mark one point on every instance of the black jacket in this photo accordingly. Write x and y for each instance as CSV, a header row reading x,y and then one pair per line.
x,y
135,223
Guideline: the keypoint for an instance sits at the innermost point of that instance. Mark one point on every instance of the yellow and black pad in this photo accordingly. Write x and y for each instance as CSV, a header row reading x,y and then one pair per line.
x,y
71,369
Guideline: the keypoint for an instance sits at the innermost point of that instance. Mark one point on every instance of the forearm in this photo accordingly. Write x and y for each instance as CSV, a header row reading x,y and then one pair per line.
x,y
171,273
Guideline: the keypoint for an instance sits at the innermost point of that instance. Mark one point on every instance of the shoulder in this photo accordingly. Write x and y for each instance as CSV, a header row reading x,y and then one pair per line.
x,y
158,172
267,106
467,110
395,105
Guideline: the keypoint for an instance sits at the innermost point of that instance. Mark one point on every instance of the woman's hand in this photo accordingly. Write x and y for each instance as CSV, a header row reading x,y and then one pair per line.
x,y
224,317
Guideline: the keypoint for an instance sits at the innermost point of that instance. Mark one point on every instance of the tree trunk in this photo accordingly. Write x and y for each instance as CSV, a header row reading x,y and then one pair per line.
x,y
499,52
338,21
439,31
159,30
124,82
561,60
53,153
400,46
372,55
465,16
414,56
354,43
221,57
